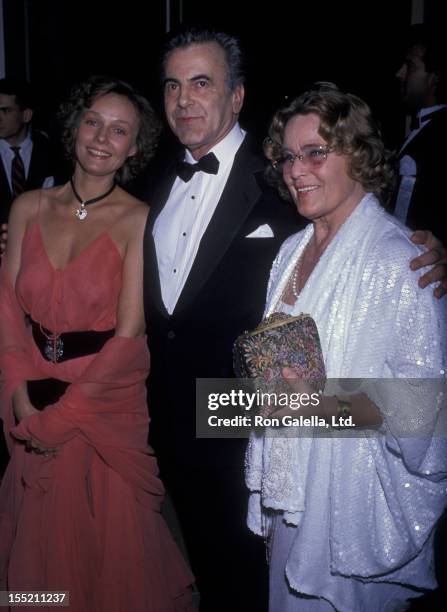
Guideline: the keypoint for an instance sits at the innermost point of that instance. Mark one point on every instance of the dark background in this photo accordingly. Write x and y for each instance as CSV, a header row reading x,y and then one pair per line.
x,y
288,45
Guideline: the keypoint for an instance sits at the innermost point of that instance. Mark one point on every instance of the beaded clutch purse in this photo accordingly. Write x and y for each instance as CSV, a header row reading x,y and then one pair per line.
x,y
281,341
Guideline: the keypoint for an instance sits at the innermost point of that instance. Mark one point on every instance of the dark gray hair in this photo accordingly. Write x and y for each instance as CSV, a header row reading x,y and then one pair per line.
x,y
20,89
229,44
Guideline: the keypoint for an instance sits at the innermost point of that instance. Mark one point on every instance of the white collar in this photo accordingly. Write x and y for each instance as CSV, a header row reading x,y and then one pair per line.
x,y
429,109
24,145
225,149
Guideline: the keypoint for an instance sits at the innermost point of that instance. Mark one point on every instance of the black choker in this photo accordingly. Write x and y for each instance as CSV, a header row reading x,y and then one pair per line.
x,y
81,213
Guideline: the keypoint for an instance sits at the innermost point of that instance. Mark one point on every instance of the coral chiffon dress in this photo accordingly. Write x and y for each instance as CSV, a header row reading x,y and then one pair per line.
x,y
88,520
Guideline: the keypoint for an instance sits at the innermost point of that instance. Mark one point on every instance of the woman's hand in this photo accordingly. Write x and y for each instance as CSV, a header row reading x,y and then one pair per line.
x,y
32,446
363,411
435,256
24,409
21,404
304,404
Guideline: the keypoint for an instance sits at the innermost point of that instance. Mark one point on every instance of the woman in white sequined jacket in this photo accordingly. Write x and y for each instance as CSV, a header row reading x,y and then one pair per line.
x,y
350,516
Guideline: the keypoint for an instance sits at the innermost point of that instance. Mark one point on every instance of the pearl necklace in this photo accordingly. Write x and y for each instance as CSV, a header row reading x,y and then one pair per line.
x,y
295,278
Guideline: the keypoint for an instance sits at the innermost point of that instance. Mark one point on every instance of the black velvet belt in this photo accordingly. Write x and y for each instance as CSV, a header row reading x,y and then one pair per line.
x,y
68,345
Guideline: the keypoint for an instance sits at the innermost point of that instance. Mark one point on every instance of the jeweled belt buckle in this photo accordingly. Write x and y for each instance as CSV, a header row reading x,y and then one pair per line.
x,y
54,349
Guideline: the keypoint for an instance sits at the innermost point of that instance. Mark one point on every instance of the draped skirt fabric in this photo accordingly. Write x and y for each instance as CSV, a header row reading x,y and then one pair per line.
x,y
88,520
370,597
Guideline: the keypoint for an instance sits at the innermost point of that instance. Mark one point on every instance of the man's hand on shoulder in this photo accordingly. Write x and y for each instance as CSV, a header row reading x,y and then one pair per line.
x,y
435,256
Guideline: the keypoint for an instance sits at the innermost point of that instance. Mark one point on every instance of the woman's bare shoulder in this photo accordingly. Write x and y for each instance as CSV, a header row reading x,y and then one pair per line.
x,y
25,208
134,211
130,222
130,200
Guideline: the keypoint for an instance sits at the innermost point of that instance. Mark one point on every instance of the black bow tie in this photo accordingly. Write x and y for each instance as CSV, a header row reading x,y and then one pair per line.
x,y
208,163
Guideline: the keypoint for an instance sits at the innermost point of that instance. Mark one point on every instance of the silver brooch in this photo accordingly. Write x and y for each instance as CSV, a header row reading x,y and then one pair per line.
x,y
54,349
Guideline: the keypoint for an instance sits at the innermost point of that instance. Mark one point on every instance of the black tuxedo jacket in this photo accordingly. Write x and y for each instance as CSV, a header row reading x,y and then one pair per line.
x,y
428,149
41,166
223,296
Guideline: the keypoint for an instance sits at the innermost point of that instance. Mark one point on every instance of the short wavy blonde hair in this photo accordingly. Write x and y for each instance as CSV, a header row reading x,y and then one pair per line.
x,y
348,127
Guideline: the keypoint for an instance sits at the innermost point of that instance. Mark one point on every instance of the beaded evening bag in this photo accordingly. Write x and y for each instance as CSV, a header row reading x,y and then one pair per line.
x,y
281,341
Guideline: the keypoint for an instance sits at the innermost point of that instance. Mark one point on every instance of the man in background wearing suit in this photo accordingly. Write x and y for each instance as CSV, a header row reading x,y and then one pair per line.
x,y
24,156
24,160
213,231
423,77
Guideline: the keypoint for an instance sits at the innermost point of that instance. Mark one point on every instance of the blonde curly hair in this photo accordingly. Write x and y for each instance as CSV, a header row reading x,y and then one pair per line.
x,y
347,126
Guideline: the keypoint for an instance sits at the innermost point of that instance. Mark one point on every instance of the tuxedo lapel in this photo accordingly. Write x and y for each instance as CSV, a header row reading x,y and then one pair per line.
x,y
426,132
238,198
151,273
161,195
5,190
152,284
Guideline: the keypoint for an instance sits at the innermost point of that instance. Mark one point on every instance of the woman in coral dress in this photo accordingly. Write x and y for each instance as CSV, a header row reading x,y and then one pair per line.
x,y
80,500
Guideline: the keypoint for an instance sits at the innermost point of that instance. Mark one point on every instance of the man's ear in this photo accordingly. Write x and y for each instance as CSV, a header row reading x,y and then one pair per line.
x,y
27,115
433,81
238,98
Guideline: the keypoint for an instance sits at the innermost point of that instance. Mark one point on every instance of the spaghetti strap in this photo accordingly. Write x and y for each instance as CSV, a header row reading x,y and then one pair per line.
x,y
35,220
39,199
115,221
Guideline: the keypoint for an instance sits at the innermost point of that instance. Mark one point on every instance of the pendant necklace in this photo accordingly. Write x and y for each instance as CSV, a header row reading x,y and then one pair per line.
x,y
81,212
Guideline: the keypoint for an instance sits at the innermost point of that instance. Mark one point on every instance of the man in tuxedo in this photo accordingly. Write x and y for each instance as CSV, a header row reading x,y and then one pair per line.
x,y
25,160
421,195
213,231
211,237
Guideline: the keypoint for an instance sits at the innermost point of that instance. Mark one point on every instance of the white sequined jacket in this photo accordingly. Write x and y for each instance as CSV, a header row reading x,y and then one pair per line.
x,y
366,504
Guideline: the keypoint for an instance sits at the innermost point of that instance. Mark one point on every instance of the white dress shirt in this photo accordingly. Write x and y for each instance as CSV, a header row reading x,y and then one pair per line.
x,y
26,148
180,226
408,167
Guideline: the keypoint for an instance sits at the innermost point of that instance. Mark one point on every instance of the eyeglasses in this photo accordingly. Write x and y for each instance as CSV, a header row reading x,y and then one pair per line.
x,y
313,156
